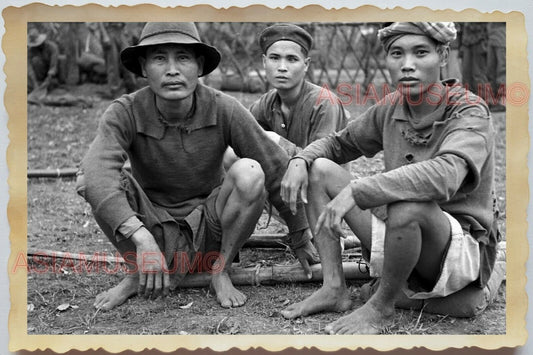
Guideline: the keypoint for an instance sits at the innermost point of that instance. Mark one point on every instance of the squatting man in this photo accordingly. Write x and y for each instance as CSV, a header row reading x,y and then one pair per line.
x,y
178,198
440,232
295,112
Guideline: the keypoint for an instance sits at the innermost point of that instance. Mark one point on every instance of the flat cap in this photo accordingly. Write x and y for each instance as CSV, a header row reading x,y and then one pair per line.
x,y
285,32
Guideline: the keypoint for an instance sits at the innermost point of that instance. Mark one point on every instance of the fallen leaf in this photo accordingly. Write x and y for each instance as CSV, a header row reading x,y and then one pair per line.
x,y
234,329
74,307
274,314
286,302
188,305
182,332
63,307
31,307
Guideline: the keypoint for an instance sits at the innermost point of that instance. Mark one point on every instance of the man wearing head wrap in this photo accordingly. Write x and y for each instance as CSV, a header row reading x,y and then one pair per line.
x,y
178,205
440,234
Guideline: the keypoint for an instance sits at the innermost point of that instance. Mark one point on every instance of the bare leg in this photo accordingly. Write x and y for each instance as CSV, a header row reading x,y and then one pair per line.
x,y
416,238
127,287
239,206
326,180
229,158
140,203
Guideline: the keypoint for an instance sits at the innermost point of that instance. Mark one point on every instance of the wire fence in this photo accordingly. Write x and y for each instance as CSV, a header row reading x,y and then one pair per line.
x,y
342,52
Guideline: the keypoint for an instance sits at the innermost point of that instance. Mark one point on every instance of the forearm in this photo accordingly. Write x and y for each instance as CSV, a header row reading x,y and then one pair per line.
x,y
436,179
289,147
128,228
334,147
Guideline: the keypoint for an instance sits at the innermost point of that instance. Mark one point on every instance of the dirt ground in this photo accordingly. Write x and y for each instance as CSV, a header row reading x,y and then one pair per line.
x,y
60,298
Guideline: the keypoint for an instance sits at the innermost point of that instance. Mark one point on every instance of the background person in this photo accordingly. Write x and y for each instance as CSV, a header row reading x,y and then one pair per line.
x,y
42,62
496,63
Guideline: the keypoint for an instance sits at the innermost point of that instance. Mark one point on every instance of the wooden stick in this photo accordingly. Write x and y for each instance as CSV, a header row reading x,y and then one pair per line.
x,y
262,240
52,173
96,257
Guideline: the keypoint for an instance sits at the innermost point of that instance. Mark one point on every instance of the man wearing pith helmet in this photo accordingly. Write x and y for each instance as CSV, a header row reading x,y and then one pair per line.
x,y
178,201
440,234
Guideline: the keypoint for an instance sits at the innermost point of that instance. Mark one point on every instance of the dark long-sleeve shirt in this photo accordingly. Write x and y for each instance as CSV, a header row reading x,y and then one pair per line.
x,y
176,166
448,158
316,114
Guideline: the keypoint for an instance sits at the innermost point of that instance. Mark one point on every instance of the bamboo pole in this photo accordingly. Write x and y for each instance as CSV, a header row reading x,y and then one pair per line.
x,y
269,275
260,240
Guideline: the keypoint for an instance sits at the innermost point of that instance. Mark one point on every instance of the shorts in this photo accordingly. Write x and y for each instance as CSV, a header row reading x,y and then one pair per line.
x,y
204,225
459,268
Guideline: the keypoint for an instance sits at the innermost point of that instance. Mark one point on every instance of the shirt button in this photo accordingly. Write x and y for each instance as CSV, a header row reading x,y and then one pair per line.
x,y
283,125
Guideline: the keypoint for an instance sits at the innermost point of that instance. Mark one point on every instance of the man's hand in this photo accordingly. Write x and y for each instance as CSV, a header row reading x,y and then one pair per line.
x,y
295,179
153,280
304,249
331,217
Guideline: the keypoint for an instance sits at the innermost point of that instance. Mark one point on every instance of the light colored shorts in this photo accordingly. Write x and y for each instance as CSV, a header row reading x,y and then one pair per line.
x,y
459,268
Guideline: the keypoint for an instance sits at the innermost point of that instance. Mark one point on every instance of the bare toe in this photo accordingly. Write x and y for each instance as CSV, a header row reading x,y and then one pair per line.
x,y
227,295
368,319
117,295
323,300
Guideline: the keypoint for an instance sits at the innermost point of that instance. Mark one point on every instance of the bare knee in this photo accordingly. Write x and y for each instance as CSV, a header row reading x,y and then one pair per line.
x,y
320,170
407,214
248,178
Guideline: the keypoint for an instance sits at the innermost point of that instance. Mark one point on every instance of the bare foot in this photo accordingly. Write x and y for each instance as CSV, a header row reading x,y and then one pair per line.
x,y
119,294
227,295
325,299
369,319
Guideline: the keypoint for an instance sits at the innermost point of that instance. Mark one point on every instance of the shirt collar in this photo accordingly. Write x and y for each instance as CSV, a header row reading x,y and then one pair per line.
x,y
146,113
276,103
401,111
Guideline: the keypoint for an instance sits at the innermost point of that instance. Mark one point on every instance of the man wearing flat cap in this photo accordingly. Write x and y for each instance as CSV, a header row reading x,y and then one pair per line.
x,y
440,234
298,111
178,202
295,112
